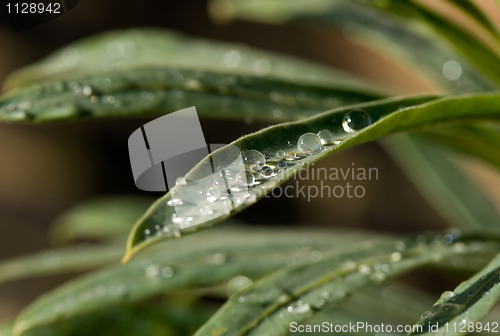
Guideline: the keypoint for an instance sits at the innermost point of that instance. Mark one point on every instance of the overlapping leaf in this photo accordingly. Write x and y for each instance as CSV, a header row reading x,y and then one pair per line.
x,y
295,294
201,260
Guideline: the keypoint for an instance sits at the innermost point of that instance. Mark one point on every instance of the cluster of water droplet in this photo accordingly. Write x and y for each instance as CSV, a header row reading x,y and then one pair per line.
x,y
209,198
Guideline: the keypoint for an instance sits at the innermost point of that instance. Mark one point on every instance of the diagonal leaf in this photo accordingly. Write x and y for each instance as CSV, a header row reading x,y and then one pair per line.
x,y
103,217
162,90
432,168
295,294
401,114
470,302
209,258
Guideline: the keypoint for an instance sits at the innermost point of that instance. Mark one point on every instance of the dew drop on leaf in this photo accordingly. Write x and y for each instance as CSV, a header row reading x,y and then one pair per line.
x,y
309,143
355,121
267,171
326,137
254,160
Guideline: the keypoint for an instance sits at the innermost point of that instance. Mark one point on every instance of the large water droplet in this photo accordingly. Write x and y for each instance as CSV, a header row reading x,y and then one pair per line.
x,y
309,143
447,296
180,181
452,70
262,67
355,121
232,58
167,272
237,284
254,160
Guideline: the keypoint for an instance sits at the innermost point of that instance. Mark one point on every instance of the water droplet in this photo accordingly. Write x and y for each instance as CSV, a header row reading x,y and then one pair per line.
x,y
24,105
115,49
212,194
94,99
447,296
237,284
309,143
459,247
70,56
396,256
216,258
364,269
254,160
152,271
180,181
108,99
175,202
330,102
167,272
377,277
147,95
282,164
192,84
326,137
356,120
262,67
452,70
277,113
250,199
206,211
267,171
86,90
232,58
299,308
316,255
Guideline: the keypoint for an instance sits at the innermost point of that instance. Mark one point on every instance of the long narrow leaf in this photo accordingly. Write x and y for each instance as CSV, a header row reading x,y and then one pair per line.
x,y
457,312
162,222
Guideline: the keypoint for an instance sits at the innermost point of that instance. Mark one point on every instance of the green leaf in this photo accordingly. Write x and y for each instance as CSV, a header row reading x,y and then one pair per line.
x,y
295,294
103,217
162,90
57,261
470,302
481,141
124,50
209,258
389,116
431,167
